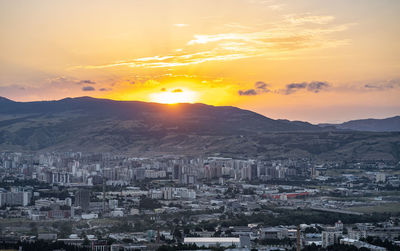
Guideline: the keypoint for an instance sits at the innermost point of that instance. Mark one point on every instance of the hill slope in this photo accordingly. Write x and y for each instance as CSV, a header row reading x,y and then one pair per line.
x,y
88,124
193,118
372,125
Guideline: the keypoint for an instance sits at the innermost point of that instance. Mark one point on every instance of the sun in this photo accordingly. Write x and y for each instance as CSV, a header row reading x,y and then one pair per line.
x,y
174,96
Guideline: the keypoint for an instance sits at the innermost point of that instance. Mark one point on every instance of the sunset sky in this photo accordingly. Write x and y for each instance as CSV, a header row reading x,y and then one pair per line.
x,y
318,61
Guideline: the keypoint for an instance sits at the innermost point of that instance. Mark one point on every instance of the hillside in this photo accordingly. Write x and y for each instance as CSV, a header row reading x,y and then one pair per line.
x,y
88,124
371,125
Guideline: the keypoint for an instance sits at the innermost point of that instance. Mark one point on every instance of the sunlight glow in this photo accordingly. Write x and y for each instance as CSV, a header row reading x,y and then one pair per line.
x,y
174,96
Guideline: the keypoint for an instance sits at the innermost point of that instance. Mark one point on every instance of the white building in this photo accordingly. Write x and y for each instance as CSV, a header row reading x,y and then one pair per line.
x,y
112,204
330,237
361,244
117,213
167,193
15,198
357,234
156,194
380,177
218,241
89,216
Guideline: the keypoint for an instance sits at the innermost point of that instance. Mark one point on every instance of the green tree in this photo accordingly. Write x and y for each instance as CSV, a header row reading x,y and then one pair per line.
x,y
65,229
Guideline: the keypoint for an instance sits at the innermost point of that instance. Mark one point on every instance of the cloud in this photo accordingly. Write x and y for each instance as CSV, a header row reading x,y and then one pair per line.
x,y
294,87
238,26
172,61
86,82
105,89
204,39
163,90
317,86
177,90
306,18
60,81
294,33
276,6
383,85
372,86
181,25
88,88
259,88
314,86
249,92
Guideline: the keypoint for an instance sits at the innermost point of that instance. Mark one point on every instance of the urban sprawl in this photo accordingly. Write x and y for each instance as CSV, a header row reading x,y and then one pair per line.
x,y
85,201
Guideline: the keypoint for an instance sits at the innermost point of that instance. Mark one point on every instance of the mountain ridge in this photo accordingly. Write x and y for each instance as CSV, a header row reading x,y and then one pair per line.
x,y
139,109
391,124
347,125
134,127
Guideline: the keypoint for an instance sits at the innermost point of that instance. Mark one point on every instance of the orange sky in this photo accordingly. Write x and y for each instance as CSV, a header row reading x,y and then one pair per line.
x,y
320,61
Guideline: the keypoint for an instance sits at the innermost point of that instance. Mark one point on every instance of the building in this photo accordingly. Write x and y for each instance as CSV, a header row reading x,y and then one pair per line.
x,y
112,204
380,177
330,237
167,193
177,172
15,198
360,244
274,233
339,225
82,199
243,241
140,173
60,178
356,234
47,236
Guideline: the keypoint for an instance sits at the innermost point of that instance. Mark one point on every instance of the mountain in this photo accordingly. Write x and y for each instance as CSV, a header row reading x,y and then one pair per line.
x,y
370,125
193,118
100,125
4,101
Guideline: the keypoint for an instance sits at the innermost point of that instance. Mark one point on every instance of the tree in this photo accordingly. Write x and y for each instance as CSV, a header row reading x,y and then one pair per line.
x,y
65,229
34,229
86,241
177,234
148,203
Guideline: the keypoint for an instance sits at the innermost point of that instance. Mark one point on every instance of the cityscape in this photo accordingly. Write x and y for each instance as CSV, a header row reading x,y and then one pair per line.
x,y
203,125
117,202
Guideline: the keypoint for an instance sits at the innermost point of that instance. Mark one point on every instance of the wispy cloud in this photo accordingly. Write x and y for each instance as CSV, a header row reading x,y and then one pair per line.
x,y
259,88
238,26
314,86
262,87
86,82
88,88
276,6
294,87
174,61
105,89
383,85
306,18
204,39
293,34
317,86
181,25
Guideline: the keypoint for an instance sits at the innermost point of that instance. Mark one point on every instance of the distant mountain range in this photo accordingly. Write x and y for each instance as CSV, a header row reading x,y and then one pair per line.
x,y
89,124
194,118
370,125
